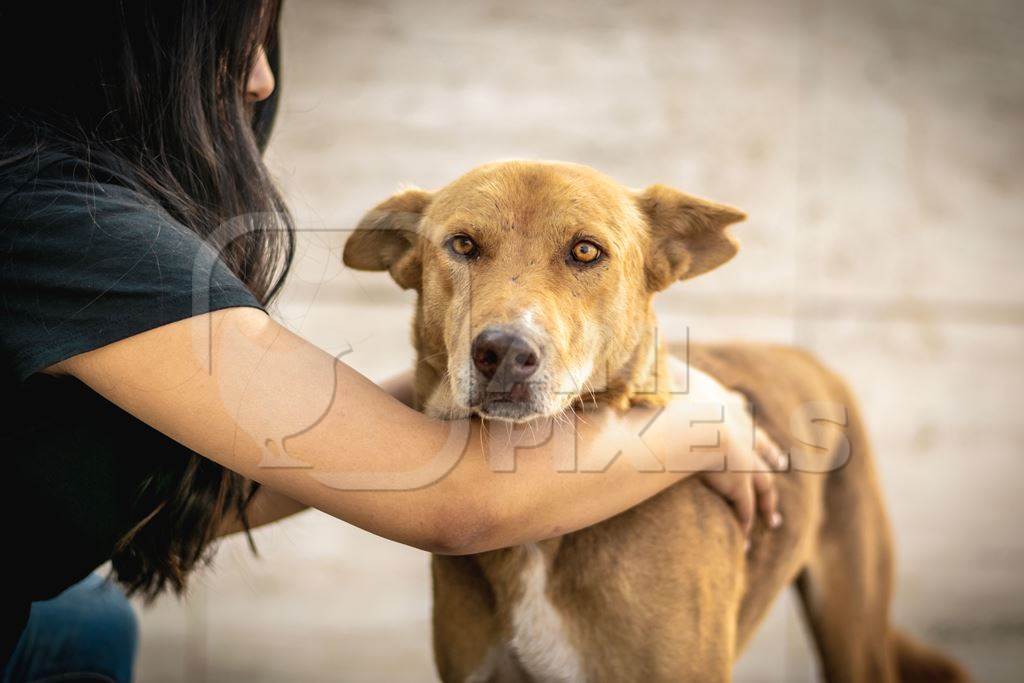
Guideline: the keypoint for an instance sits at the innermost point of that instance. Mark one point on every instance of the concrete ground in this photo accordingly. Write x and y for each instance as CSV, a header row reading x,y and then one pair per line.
x,y
876,146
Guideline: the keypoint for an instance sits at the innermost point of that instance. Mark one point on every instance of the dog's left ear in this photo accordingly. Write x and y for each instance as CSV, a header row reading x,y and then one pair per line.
x,y
386,238
688,235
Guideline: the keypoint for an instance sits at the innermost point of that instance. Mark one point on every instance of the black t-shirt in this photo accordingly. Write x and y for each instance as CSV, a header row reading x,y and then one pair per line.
x,y
84,261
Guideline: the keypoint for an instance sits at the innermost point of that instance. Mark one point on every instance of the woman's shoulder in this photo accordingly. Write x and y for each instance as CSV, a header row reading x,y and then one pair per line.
x,y
86,260
60,200
19,167
35,172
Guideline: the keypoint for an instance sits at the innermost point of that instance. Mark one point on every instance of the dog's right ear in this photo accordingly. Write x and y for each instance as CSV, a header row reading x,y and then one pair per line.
x,y
386,237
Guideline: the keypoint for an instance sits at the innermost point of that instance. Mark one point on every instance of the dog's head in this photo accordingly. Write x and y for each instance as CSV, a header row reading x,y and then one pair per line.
x,y
535,279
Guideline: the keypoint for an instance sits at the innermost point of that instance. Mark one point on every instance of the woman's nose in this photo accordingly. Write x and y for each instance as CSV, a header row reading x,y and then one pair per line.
x,y
261,79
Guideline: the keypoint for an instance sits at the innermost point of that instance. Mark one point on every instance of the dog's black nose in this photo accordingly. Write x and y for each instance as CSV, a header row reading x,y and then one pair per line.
x,y
514,356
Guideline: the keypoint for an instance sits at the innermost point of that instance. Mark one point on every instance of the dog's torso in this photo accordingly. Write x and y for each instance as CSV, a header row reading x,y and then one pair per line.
x,y
535,283
652,593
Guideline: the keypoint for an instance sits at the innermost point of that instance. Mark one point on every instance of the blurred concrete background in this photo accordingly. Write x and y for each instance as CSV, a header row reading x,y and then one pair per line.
x,y
877,147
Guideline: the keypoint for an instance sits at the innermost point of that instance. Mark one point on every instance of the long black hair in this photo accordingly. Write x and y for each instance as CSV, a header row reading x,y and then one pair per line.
x,y
157,87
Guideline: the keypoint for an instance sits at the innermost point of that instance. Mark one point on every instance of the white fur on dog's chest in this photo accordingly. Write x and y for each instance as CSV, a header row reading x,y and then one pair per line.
x,y
539,641
539,637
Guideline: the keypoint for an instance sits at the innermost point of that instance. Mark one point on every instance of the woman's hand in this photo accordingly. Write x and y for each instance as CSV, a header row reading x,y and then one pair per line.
x,y
750,455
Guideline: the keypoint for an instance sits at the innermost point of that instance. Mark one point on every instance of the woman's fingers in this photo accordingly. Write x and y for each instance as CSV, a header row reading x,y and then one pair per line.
x,y
764,483
744,503
748,481
767,499
769,451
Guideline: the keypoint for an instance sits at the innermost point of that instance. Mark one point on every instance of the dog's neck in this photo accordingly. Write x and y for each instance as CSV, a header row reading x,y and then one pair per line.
x,y
643,379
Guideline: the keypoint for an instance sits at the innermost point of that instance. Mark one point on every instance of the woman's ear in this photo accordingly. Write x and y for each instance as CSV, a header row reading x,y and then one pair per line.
x,y
687,235
386,238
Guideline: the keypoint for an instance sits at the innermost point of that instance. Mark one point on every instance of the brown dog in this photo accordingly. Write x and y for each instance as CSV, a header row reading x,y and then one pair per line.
x,y
535,283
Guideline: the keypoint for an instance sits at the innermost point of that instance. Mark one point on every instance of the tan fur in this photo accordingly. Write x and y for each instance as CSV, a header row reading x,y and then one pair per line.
x,y
665,591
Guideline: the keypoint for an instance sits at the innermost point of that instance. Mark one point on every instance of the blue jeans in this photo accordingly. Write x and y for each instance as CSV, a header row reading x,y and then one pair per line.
x,y
87,633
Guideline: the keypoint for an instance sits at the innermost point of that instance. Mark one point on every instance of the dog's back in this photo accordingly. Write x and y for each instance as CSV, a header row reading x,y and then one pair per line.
x,y
666,591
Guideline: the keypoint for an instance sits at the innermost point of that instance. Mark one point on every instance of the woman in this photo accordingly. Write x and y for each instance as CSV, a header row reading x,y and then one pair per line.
x,y
146,403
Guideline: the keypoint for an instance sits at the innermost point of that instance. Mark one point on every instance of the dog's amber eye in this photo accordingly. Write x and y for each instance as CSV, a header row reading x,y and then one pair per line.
x,y
461,245
585,252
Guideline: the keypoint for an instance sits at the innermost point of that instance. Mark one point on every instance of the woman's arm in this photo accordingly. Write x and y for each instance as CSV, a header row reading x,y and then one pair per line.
x,y
268,506
242,390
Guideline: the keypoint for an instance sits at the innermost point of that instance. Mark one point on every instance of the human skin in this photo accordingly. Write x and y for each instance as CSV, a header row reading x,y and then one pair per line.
x,y
226,384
